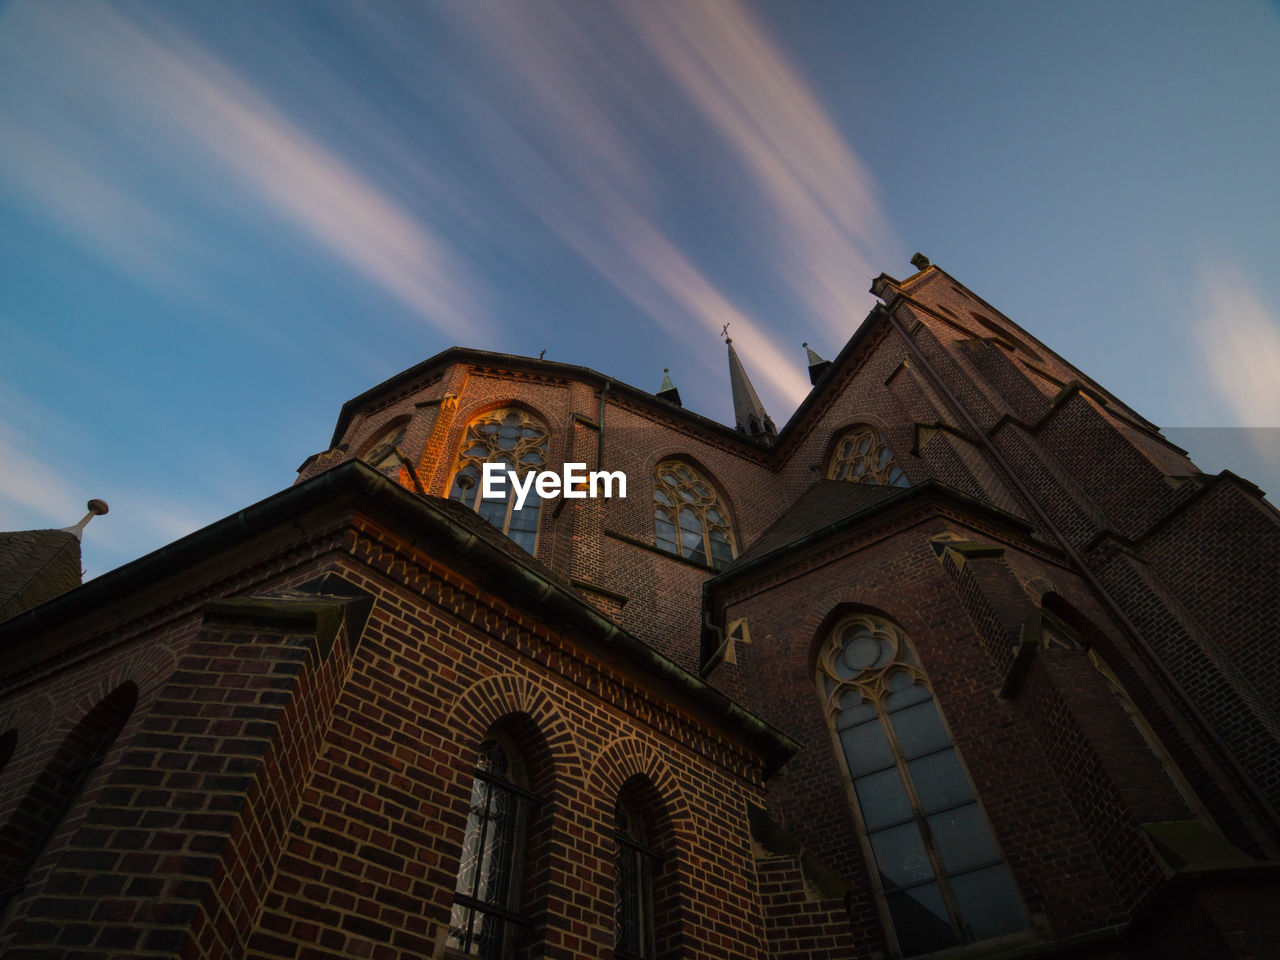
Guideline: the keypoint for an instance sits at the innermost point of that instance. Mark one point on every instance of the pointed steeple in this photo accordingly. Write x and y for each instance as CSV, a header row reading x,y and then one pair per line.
x,y
747,408
668,389
817,366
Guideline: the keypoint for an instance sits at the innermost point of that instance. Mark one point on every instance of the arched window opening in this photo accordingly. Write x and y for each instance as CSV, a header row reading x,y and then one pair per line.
x,y
940,875
689,519
486,919
57,788
638,866
518,440
861,455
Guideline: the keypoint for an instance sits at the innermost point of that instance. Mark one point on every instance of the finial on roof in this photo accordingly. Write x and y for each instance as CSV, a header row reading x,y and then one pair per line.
x,y
668,389
747,408
96,509
920,261
817,366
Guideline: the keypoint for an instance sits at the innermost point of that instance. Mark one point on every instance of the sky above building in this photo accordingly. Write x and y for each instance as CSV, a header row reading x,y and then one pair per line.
x,y
219,221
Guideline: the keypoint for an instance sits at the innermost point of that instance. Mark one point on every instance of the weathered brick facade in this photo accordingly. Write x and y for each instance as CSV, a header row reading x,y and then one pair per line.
x,y
261,741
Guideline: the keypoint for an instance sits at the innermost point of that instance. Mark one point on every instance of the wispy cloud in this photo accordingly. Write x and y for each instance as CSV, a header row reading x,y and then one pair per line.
x,y
827,219
42,487
592,186
211,135
29,486
1239,338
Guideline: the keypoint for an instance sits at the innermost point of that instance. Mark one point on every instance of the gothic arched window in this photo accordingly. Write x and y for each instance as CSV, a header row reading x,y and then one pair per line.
x,y
517,439
939,871
633,903
486,914
862,456
689,519
384,451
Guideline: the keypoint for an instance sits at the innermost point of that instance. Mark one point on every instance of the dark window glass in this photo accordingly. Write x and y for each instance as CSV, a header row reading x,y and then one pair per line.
x,y
633,904
689,519
940,871
485,920
862,456
518,441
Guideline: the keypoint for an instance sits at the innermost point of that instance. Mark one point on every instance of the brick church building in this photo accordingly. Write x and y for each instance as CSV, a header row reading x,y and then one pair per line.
x,y
964,660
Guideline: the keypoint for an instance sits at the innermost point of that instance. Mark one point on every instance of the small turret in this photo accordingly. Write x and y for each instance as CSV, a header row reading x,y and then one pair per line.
x,y
38,565
817,366
668,389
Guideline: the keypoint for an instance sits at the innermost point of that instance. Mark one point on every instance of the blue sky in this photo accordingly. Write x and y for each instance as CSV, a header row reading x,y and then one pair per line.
x,y
219,221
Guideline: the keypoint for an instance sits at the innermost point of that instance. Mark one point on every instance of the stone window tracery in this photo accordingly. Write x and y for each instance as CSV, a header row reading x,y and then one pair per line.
x,y
485,920
513,437
384,452
940,876
689,519
861,455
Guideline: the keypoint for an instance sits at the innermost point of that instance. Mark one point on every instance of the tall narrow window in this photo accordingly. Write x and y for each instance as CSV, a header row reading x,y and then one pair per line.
x,y
633,907
517,440
939,872
689,519
486,917
862,456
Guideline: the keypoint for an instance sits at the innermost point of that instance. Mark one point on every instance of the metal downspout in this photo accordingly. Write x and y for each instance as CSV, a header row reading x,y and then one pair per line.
x,y
604,392
1108,601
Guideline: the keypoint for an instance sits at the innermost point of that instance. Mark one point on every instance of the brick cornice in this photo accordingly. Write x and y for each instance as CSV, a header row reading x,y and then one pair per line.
x,y
561,653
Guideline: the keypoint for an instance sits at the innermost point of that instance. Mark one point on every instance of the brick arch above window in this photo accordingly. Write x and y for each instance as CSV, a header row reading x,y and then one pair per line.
x,y
540,725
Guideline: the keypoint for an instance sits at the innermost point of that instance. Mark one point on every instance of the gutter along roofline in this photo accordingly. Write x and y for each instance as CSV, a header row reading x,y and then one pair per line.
x,y
909,498
429,526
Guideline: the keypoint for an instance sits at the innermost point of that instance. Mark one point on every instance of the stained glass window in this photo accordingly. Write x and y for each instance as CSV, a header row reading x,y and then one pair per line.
x,y
941,876
689,519
485,918
518,440
862,456
633,907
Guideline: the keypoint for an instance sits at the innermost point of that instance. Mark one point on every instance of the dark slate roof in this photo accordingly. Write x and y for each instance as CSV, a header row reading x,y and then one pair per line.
x,y
823,504
464,516
35,566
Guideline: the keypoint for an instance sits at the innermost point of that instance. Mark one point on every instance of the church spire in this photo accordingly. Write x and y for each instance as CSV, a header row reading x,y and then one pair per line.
x,y
747,408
